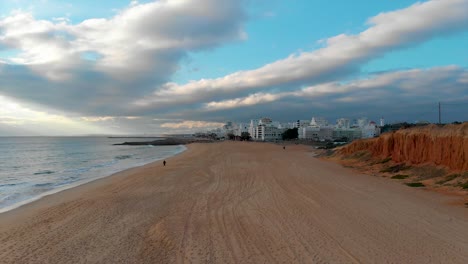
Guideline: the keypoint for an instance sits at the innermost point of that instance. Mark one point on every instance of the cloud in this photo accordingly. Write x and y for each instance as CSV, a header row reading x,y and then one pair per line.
x,y
188,124
117,71
97,118
43,122
108,118
107,61
342,55
11,121
253,99
416,82
378,95
124,40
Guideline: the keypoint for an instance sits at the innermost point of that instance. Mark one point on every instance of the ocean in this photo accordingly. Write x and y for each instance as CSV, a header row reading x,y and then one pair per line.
x,y
32,167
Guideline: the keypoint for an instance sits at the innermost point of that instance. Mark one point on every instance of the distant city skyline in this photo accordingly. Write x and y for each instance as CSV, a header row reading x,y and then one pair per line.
x,y
176,66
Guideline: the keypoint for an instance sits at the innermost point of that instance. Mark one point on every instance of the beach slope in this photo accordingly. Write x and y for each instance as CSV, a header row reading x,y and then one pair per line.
x,y
238,202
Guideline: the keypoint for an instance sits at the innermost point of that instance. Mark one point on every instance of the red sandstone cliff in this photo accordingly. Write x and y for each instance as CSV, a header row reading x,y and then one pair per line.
x,y
447,146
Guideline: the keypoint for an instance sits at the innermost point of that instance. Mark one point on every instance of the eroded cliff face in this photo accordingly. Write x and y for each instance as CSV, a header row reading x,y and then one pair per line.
x,y
446,146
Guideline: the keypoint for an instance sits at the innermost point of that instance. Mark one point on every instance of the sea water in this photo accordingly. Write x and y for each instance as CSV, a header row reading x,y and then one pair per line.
x,y
32,167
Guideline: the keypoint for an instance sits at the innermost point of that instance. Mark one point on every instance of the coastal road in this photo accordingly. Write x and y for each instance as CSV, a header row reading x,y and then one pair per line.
x,y
238,202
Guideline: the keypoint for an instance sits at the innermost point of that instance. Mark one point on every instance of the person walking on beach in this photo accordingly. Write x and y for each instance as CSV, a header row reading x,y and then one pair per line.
x,y
164,163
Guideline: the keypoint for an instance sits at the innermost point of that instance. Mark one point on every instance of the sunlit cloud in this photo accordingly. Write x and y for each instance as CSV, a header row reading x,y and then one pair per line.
x,y
191,125
258,98
148,36
97,118
415,84
16,114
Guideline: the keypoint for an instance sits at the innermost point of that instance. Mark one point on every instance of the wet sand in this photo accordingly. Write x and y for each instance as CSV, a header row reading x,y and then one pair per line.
x,y
238,202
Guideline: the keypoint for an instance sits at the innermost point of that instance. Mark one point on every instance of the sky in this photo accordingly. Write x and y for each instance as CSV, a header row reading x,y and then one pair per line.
x,y
177,66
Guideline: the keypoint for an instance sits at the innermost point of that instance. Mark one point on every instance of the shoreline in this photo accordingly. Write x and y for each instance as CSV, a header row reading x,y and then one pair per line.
x,y
78,184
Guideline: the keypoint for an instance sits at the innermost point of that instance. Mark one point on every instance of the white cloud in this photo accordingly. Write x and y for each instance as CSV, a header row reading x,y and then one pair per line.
x,y
142,38
108,118
106,69
40,121
188,124
133,117
433,84
11,121
253,99
97,118
342,53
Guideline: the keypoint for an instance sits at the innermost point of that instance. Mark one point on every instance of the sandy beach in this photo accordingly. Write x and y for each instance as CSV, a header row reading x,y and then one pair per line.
x,y
238,202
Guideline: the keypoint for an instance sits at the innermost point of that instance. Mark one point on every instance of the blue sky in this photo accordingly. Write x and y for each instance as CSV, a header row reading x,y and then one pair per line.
x,y
84,67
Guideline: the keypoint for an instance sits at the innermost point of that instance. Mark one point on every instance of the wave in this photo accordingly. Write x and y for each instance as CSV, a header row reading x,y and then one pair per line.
x,y
48,184
44,172
11,184
122,157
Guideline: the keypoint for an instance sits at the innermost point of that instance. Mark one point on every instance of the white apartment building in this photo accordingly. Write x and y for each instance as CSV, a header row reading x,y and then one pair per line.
x,y
319,122
269,133
265,129
343,123
370,130
349,133
289,125
253,127
316,133
318,128
302,123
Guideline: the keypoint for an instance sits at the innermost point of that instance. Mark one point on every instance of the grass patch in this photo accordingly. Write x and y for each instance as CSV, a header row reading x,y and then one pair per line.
x,y
396,168
385,160
415,184
400,176
448,178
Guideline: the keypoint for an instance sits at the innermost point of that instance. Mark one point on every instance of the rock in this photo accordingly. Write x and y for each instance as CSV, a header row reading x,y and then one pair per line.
x,y
164,142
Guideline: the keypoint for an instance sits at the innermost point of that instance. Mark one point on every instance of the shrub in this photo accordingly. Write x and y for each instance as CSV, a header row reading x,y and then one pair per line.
x,y
290,134
448,178
464,185
415,184
386,160
400,176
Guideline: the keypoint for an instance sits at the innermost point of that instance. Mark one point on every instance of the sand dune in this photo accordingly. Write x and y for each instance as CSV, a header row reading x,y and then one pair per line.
x,y
238,203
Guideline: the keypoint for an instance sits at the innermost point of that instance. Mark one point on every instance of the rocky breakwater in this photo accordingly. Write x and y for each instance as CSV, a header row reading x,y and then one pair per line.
x,y
433,145
166,142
